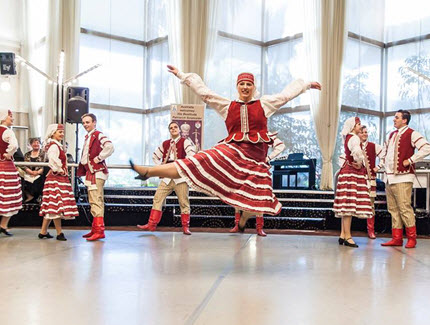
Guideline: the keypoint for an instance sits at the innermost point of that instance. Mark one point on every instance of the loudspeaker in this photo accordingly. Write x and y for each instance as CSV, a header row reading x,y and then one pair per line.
x,y
77,103
7,63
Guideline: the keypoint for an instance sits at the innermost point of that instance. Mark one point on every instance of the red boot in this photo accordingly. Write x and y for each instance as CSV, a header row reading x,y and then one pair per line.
x,y
99,229
185,219
259,224
371,228
236,223
397,240
154,219
411,233
91,232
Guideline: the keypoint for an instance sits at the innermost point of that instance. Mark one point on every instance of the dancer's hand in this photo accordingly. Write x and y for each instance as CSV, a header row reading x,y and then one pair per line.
x,y
315,85
173,69
406,163
7,156
357,165
376,169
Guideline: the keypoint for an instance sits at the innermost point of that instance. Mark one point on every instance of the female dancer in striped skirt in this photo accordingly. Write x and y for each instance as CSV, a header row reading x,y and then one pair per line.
x,y
235,170
352,189
58,201
10,183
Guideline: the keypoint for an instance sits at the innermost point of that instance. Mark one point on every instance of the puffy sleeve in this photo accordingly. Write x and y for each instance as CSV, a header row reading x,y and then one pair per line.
x,y
354,146
278,146
219,103
271,103
422,145
190,148
54,161
9,137
107,147
157,156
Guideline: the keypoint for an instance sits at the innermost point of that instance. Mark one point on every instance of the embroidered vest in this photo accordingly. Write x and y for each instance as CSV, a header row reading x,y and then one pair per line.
x,y
403,150
3,144
94,149
370,152
180,150
61,156
247,122
348,155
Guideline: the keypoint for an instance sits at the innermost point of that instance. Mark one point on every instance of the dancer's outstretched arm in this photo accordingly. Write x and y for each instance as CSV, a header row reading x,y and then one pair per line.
x,y
272,103
195,82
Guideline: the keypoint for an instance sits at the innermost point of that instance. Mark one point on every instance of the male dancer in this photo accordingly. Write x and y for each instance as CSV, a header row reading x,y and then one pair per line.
x,y
97,148
399,160
170,150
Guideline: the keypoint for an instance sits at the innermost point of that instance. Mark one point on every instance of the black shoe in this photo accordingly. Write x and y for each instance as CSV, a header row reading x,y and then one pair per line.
x,y
141,177
61,237
4,231
346,243
47,235
241,228
341,240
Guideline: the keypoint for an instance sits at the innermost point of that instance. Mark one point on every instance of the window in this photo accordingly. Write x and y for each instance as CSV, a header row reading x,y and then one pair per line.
x,y
132,79
272,49
407,34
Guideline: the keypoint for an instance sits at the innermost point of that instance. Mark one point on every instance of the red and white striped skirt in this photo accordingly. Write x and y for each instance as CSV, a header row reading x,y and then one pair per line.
x,y
234,172
10,189
58,200
352,194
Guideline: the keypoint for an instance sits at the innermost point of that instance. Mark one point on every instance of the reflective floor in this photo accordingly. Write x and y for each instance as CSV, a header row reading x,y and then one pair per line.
x,y
167,278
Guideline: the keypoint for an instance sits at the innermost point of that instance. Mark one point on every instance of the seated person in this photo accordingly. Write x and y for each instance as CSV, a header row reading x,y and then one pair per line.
x,y
33,176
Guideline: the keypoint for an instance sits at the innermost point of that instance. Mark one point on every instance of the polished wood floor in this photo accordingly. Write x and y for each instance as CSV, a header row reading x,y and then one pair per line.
x,y
210,278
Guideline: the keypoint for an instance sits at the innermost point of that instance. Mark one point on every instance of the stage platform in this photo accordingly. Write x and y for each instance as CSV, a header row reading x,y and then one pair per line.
x,y
301,209
134,277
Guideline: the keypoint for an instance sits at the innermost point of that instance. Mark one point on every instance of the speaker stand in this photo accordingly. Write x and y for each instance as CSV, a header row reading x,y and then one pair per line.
x,y
75,181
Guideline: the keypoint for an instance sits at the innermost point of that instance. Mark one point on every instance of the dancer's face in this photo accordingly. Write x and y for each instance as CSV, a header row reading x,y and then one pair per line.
x,y
245,90
174,130
88,123
363,135
8,121
58,135
398,120
357,128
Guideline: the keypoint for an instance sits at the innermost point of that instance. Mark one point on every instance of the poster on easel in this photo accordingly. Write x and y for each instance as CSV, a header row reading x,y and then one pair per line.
x,y
190,118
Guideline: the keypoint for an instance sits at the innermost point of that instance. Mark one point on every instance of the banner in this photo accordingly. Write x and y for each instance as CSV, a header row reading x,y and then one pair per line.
x,y
190,118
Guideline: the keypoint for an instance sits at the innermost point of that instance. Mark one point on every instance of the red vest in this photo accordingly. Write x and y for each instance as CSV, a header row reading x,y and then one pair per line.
x,y
247,122
180,149
349,158
95,147
370,151
403,150
3,144
62,155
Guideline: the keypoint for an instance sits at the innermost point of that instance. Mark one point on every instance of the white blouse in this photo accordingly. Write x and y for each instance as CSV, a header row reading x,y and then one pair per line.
x,y
9,137
54,161
270,103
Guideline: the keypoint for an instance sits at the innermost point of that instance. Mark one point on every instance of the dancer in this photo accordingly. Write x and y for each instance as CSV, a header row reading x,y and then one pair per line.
x,y
352,191
97,148
58,201
234,170
169,151
371,152
277,148
399,161
10,183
